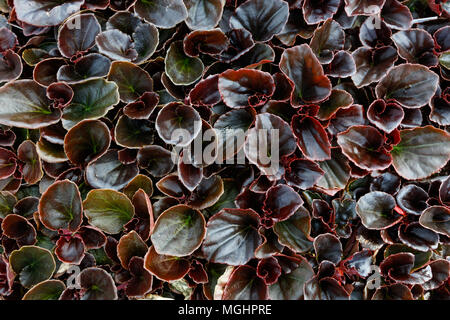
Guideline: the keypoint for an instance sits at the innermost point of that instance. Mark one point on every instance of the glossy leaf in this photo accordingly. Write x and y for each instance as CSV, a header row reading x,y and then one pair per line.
x,y
203,14
92,100
167,268
421,152
312,139
162,13
132,81
239,227
179,231
244,284
180,68
108,210
436,218
45,13
25,105
245,87
46,290
73,41
60,206
32,265
300,64
364,146
86,141
376,210
108,172
411,85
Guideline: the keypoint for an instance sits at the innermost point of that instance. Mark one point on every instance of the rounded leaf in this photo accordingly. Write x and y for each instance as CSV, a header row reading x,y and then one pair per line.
x,y
180,68
25,105
232,236
179,231
364,146
97,284
108,210
32,264
376,210
263,19
303,68
107,172
92,100
74,40
46,290
245,87
436,218
421,152
87,141
60,206
411,85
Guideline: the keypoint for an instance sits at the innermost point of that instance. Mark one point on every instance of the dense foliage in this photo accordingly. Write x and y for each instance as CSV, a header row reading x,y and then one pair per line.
x,y
94,206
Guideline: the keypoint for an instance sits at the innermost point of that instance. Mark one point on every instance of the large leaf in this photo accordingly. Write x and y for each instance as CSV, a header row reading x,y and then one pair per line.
x,y
295,231
73,41
46,290
232,236
416,46
60,206
32,169
42,13
132,81
162,13
263,19
203,14
311,138
167,268
97,284
411,85
327,39
301,65
178,124
290,284
180,68
397,15
108,210
179,231
108,172
244,284
364,146
421,152
372,64
436,218
32,264
25,105
87,141
245,87
92,100
376,210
